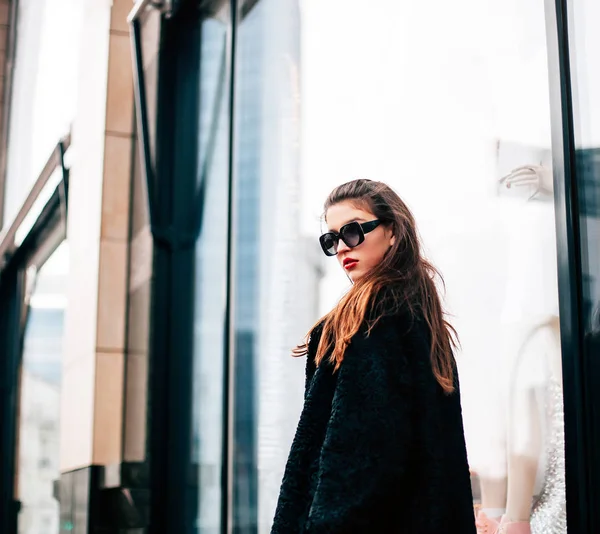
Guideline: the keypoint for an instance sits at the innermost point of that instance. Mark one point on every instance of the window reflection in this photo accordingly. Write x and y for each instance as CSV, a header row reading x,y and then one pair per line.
x,y
585,84
43,97
211,273
277,266
39,403
454,116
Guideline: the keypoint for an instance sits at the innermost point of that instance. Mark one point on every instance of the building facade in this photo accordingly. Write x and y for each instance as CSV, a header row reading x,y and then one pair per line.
x,y
163,167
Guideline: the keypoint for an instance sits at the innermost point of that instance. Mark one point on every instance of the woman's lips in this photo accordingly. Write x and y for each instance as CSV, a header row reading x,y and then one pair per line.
x,y
350,264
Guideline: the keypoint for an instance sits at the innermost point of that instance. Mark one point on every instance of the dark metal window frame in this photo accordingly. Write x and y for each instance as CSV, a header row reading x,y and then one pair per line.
x,y
47,232
56,161
580,373
173,488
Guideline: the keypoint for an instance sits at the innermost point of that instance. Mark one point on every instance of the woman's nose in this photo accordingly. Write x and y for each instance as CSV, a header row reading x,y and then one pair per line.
x,y
342,247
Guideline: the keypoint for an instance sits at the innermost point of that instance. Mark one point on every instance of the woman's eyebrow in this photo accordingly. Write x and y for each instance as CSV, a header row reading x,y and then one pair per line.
x,y
354,219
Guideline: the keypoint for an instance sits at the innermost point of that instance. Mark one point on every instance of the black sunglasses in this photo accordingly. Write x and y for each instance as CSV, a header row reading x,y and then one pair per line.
x,y
353,234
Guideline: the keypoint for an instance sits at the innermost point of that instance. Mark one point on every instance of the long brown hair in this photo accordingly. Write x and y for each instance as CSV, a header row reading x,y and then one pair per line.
x,y
404,275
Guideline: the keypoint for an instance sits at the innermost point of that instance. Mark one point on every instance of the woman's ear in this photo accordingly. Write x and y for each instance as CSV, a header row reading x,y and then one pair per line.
x,y
389,232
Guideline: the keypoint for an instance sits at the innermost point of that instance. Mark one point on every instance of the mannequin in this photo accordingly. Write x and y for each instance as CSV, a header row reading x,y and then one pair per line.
x,y
536,434
536,177
530,497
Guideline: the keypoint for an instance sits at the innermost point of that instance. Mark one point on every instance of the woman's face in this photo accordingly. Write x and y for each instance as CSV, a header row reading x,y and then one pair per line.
x,y
359,260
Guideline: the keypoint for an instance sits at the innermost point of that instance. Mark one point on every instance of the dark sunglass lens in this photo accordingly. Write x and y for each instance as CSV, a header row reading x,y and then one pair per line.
x,y
329,244
351,234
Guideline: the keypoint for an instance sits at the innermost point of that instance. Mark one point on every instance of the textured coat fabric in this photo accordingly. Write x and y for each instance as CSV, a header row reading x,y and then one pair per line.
x,y
379,447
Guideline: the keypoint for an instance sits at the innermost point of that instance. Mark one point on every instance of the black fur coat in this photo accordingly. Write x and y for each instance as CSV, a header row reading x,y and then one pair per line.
x,y
379,447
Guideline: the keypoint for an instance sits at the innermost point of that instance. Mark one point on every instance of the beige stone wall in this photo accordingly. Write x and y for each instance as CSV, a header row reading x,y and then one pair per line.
x,y
114,237
98,233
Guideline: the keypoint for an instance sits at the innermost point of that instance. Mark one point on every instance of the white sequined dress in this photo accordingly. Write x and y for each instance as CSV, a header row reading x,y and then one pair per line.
x,y
549,512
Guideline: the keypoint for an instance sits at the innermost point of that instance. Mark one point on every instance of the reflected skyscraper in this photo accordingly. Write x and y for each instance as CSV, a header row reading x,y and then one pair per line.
x,y
41,376
277,269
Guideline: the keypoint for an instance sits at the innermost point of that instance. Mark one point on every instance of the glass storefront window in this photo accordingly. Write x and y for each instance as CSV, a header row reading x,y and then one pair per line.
x,y
44,91
585,85
39,402
455,117
277,269
211,253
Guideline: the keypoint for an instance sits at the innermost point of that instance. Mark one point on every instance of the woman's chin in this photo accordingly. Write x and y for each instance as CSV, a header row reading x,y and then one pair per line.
x,y
354,275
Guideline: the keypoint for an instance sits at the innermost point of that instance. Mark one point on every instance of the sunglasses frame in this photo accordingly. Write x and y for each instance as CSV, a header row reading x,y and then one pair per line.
x,y
364,228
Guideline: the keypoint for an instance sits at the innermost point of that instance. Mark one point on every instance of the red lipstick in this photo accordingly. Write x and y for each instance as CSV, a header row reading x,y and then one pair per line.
x,y
349,263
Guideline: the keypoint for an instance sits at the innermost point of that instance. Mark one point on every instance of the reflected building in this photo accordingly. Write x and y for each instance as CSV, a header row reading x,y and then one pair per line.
x,y
277,269
39,425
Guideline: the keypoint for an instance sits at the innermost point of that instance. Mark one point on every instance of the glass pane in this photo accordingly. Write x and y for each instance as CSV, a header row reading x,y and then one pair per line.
x,y
247,305
150,28
44,94
454,115
277,271
138,317
586,84
39,403
211,273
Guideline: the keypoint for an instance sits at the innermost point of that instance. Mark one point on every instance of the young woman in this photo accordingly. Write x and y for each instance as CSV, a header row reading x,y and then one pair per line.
x,y
380,445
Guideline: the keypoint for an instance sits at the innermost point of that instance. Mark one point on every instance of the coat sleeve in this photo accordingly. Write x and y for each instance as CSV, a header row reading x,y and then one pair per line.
x,y
366,451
